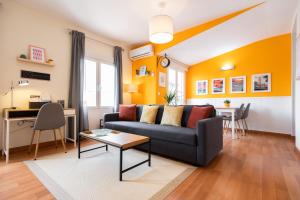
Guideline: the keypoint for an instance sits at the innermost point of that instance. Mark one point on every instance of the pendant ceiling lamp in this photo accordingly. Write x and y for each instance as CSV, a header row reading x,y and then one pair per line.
x,y
161,28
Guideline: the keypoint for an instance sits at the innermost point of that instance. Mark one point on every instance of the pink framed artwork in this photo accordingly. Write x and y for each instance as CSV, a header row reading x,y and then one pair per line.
x,y
37,54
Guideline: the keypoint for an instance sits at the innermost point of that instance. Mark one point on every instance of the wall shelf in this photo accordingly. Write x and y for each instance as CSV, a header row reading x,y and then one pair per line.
x,y
34,62
148,73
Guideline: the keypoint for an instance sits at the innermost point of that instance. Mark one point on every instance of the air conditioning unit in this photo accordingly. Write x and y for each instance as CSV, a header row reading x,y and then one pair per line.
x,y
142,52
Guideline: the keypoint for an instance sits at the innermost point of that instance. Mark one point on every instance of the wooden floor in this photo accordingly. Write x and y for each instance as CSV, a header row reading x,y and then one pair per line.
x,y
258,166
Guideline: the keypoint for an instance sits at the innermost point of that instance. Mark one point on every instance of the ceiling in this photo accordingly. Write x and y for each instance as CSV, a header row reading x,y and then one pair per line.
x,y
127,20
272,18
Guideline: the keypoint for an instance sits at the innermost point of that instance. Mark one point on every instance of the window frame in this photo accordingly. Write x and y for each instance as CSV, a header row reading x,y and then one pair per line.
x,y
98,81
176,69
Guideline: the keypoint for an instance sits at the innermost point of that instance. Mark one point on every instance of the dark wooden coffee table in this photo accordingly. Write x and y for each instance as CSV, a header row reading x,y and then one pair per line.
x,y
121,140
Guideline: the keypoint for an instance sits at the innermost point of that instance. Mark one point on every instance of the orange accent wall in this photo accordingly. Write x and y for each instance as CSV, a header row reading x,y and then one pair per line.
x,y
149,91
272,55
146,84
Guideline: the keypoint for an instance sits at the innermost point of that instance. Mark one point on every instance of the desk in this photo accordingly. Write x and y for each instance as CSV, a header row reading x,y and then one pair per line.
x,y
232,111
7,119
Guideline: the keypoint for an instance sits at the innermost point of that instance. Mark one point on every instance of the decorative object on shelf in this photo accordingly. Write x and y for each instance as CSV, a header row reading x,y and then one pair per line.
x,y
23,56
50,61
261,82
170,98
162,79
202,87
143,70
218,86
227,67
37,53
161,28
164,61
227,103
20,83
35,75
238,84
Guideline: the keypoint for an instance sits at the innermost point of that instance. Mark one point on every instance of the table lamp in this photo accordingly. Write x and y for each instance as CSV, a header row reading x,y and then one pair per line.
x,y
20,83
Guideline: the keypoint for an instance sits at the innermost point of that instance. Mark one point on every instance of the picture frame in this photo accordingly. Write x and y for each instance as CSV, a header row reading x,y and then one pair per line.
x,y
37,54
162,79
202,87
218,86
238,84
143,70
261,82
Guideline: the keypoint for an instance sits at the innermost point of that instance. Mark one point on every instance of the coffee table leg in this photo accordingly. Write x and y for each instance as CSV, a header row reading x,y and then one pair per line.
x,y
121,163
106,147
149,153
79,146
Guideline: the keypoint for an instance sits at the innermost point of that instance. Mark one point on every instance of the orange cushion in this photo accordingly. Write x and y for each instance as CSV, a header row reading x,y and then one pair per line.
x,y
127,112
199,113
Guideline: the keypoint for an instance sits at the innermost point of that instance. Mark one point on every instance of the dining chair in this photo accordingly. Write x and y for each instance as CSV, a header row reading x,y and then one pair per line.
x,y
50,117
237,117
244,117
225,117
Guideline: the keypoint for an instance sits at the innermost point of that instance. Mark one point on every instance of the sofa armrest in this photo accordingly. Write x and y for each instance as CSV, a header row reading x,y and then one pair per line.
x,y
109,117
210,139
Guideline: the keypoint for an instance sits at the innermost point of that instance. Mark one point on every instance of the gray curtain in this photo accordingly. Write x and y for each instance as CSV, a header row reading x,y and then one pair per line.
x,y
77,83
118,77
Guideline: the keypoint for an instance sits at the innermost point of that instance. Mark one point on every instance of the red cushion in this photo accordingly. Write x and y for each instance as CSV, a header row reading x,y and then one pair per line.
x,y
127,112
199,113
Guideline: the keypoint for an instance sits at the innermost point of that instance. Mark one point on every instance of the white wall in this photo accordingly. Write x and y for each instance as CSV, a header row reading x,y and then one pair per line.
x,y
297,82
21,26
270,114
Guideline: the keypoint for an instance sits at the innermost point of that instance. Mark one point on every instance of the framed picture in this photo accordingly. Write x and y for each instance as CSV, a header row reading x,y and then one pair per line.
x,y
37,54
261,82
202,87
162,79
238,84
143,70
218,86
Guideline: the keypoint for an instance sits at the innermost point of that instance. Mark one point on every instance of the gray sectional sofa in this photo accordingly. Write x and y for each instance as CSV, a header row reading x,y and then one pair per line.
x,y
195,146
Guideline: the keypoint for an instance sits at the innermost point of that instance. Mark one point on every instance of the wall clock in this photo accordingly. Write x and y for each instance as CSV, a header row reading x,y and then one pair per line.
x,y
164,61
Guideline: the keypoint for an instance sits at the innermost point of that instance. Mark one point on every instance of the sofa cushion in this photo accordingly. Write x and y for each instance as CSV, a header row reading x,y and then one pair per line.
x,y
160,132
185,115
149,114
199,113
127,112
172,115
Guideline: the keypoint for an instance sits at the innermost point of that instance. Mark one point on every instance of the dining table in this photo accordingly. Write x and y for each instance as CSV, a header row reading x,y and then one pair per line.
x,y
232,111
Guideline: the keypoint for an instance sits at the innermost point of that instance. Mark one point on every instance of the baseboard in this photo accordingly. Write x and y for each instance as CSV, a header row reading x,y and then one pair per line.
x,y
272,133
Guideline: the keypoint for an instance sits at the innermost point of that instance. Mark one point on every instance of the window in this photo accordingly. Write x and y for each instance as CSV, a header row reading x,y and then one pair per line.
x,y
99,83
176,82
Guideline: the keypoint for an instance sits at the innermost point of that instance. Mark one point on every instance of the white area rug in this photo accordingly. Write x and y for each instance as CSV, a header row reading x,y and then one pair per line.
x,y
96,175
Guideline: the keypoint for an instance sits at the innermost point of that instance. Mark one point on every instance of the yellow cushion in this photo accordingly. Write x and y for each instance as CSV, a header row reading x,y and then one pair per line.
x,y
149,114
172,115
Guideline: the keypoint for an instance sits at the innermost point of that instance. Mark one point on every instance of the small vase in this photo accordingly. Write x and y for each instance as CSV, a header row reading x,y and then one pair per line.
x,y
227,105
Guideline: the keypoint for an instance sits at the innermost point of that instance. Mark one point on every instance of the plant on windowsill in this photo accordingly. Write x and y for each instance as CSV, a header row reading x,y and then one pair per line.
x,y
170,97
227,103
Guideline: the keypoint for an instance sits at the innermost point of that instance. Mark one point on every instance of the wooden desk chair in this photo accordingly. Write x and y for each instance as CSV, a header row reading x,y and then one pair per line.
x,y
50,117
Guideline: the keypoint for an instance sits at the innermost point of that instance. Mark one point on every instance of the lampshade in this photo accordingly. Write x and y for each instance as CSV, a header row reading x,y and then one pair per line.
x,y
131,88
161,29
